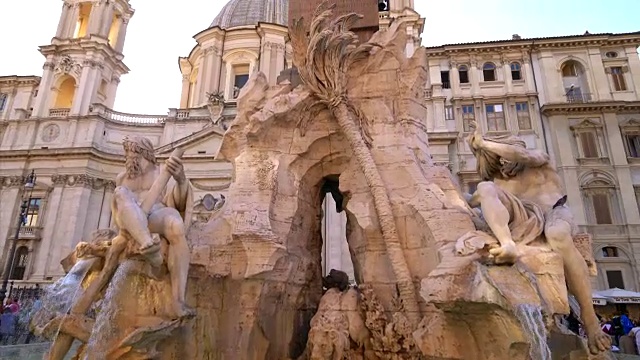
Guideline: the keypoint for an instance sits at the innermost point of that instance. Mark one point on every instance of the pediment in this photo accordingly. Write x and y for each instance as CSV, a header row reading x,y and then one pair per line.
x,y
586,124
205,142
631,123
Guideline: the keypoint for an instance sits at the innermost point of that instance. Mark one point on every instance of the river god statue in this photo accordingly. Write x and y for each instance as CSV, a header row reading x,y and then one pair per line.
x,y
522,201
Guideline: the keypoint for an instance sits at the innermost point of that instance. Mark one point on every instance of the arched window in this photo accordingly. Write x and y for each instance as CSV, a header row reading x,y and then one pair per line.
x,y
463,72
20,263
610,252
516,72
489,72
601,201
66,91
575,82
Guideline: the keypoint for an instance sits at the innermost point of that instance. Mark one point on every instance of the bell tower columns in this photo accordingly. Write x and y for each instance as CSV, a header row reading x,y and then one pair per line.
x,y
84,61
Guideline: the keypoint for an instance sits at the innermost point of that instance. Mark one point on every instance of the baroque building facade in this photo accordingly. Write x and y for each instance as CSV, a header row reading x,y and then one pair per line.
x,y
578,97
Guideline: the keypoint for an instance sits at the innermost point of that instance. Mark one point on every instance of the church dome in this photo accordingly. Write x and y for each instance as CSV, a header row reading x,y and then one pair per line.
x,y
251,12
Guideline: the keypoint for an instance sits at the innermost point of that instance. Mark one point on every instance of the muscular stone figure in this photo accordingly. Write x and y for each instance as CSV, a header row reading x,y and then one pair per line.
x,y
521,197
165,218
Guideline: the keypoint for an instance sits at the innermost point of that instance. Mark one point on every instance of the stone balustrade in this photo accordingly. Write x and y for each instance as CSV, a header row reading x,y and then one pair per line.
x,y
59,113
30,232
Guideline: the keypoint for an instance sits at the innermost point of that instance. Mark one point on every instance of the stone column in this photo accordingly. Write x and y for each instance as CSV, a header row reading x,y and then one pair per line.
x,y
75,203
95,18
64,19
217,68
207,71
634,68
51,225
528,73
41,106
72,21
91,89
184,97
105,214
474,77
107,20
280,55
598,81
10,199
454,78
113,90
506,68
265,62
122,33
618,157
76,106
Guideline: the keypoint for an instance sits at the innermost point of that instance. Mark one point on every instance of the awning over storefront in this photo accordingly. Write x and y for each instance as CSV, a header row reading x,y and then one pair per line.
x,y
598,299
617,296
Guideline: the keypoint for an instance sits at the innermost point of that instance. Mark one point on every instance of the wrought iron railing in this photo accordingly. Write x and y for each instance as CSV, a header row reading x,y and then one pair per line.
x,y
30,232
579,98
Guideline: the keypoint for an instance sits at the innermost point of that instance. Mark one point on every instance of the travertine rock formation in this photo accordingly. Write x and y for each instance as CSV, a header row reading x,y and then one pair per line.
x,y
256,276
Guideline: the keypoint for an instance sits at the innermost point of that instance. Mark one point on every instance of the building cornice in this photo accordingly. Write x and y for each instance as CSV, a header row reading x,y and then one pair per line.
x,y
16,80
536,44
623,107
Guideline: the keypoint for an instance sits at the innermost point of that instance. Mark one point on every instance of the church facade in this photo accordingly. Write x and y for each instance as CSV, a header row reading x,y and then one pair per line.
x,y
577,97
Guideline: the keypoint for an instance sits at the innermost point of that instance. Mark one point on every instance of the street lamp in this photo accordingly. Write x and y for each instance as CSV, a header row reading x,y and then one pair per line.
x,y
29,184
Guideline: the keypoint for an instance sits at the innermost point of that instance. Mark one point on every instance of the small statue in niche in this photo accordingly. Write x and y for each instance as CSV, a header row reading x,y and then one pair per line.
x,y
522,201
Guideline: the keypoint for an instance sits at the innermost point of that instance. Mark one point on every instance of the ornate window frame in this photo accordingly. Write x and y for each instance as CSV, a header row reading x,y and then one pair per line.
x,y
594,127
600,183
628,129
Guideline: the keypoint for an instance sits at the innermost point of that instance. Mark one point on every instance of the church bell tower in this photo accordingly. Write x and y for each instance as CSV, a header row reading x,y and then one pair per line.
x,y
84,60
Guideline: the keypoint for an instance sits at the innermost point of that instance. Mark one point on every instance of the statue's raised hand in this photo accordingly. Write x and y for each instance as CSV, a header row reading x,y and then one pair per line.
x,y
176,169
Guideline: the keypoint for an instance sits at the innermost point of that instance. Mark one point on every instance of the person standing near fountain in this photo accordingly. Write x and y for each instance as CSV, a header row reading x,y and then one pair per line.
x,y
522,197
165,218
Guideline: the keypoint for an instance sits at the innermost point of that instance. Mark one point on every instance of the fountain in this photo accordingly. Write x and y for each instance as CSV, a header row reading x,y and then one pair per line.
x,y
434,282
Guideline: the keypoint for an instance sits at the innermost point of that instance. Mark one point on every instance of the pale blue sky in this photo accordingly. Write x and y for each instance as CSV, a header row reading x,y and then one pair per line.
x,y
158,34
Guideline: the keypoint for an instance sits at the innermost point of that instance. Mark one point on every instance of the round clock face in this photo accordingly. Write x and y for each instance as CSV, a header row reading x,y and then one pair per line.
x,y
50,132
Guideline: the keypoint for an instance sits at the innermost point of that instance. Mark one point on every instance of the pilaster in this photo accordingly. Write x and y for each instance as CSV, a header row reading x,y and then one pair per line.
x,y
506,69
634,68
265,62
71,21
119,46
528,73
64,19
474,77
600,82
50,228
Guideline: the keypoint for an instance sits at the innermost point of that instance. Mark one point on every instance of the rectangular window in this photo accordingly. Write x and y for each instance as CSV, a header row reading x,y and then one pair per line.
x,y
31,218
467,117
448,112
633,145
495,118
589,145
524,120
602,209
444,76
615,280
3,101
618,79
463,73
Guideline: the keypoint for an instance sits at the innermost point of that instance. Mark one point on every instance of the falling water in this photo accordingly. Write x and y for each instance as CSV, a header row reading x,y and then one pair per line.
x,y
104,328
59,297
532,322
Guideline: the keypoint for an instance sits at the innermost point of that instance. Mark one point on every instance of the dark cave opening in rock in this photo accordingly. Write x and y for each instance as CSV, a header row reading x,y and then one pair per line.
x,y
334,224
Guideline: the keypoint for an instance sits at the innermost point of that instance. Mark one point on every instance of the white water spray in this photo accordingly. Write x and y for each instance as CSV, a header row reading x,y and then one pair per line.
x,y
532,323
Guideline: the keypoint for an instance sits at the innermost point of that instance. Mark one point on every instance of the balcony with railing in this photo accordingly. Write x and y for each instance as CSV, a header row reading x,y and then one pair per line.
x,y
59,113
579,98
30,233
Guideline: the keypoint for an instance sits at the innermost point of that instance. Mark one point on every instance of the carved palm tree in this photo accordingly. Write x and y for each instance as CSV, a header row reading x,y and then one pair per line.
x,y
323,54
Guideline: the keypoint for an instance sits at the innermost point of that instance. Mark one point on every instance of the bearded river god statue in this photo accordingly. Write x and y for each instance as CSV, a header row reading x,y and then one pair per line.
x,y
522,220
139,272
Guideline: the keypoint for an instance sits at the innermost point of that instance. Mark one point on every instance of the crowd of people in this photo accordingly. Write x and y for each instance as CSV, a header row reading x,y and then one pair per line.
x,y
624,332
14,321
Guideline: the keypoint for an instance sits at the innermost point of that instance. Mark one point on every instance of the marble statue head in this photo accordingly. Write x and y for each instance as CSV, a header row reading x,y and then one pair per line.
x,y
490,165
137,151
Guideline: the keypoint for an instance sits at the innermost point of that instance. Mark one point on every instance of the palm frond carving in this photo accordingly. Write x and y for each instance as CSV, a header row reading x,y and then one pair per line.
x,y
323,55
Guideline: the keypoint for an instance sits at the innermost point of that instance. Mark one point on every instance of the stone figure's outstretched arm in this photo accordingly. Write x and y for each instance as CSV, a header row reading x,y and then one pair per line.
x,y
513,153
